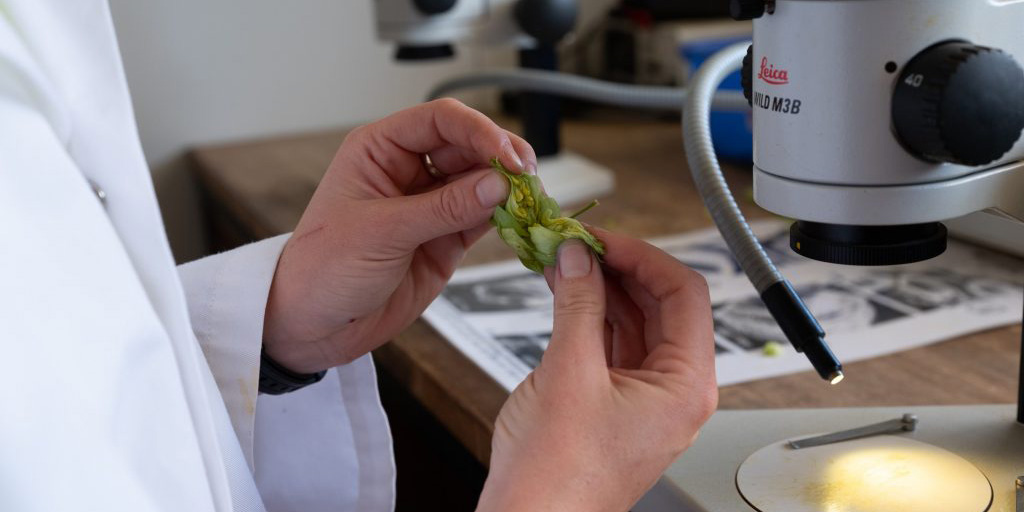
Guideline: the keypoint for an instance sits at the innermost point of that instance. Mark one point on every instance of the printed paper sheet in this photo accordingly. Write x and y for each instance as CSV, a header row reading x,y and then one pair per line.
x,y
499,315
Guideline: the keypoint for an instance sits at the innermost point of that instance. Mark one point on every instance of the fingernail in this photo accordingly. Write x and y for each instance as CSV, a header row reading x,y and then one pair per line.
x,y
514,157
574,259
492,189
531,168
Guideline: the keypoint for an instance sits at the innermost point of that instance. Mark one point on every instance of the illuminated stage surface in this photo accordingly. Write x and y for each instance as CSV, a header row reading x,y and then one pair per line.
x,y
874,474
985,437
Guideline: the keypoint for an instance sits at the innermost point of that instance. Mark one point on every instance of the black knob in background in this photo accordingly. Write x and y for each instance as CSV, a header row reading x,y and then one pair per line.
x,y
747,75
746,9
541,114
430,52
547,21
432,7
960,103
867,245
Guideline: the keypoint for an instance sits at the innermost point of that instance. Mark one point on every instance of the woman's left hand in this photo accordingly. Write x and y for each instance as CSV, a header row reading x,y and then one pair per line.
x,y
381,236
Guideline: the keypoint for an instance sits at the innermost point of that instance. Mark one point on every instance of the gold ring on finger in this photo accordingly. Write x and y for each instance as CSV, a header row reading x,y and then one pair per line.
x,y
431,169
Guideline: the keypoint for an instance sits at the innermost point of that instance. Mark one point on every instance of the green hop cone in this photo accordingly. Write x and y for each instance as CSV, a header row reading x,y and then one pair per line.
x,y
531,223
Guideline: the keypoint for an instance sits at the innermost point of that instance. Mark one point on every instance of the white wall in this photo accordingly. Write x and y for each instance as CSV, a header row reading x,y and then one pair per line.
x,y
203,71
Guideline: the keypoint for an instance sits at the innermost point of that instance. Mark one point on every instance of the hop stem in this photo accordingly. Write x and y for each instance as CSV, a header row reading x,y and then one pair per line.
x,y
583,210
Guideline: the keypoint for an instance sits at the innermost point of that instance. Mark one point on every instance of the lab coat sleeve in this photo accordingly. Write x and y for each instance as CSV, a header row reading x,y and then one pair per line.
x,y
327,446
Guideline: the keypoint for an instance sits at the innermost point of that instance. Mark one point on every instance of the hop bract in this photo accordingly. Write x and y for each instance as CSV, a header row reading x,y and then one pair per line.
x,y
532,224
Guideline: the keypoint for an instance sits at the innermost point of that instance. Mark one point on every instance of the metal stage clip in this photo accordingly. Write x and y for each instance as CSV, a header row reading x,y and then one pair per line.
x,y
907,423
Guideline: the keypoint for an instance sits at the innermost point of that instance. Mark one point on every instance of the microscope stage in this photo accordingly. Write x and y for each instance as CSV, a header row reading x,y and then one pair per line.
x,y
705,478
874,474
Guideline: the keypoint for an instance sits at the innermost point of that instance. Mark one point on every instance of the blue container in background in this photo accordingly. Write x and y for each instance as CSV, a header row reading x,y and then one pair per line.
x,y
731,132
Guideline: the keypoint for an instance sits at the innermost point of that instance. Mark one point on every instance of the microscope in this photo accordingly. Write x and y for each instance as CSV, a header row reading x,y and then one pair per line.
x,y
425,30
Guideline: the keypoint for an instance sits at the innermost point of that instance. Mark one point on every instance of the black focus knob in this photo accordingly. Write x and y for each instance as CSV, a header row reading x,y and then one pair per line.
x,y
747,75
746,9
547,21
432,7
960,103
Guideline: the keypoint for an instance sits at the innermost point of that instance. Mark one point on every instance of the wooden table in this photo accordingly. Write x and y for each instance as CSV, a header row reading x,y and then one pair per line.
x,y
259,189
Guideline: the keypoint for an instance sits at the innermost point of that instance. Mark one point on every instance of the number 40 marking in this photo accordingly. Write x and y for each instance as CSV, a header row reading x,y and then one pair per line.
x,y
914,80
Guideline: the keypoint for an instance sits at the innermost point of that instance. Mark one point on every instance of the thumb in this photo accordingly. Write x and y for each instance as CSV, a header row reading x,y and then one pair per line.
x,y
460,205
579,326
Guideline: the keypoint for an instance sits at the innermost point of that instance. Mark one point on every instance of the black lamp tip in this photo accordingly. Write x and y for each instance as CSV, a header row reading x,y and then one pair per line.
x,y
802,329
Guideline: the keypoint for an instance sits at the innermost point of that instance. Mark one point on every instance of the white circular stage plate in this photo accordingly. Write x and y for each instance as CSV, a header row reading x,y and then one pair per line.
x,y
873,474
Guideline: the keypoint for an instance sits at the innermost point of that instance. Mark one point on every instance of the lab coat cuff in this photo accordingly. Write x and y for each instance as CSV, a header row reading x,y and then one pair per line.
x,y
227,297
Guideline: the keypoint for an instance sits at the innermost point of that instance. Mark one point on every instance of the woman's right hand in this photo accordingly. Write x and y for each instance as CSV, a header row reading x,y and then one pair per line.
x,y
624,386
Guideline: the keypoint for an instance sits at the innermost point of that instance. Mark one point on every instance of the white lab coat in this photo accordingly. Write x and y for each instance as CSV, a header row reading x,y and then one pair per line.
x,y
125,383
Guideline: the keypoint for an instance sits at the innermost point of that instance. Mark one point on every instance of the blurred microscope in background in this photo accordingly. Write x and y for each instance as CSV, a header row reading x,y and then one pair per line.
x,y
639,42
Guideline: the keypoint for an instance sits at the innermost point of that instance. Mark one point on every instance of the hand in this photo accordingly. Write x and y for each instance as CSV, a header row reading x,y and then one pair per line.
x,y
381,236
626,382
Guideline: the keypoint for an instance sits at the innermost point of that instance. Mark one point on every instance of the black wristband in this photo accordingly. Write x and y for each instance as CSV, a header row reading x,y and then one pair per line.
x,y
278,380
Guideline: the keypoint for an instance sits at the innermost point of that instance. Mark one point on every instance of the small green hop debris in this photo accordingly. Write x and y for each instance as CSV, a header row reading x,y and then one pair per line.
x,y
532,224
772,349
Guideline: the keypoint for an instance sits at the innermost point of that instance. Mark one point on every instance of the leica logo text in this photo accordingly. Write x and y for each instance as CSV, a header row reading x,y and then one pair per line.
x,y
770,74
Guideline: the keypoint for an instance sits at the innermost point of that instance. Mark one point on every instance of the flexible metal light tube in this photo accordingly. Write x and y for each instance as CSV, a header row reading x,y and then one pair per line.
x,y
707,175
782,301
583,88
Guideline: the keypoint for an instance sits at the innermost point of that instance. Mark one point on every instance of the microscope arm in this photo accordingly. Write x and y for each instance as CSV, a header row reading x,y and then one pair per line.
x,y
1006,185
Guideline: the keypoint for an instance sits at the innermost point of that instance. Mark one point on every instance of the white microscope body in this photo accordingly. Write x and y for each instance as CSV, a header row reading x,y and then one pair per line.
x,y
836,156
486,22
